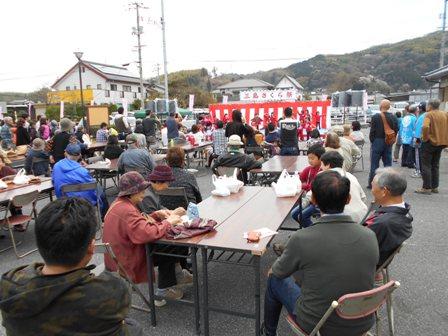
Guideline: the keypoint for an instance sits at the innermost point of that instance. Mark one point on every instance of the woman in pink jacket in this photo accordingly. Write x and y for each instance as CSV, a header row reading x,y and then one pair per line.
x,y
127,230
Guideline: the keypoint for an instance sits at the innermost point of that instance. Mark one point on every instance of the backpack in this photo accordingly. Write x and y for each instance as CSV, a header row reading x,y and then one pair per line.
x,y
391,137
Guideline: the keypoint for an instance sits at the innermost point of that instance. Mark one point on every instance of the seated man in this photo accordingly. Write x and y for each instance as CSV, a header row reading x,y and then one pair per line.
x,y
127,229
334,257
61,296
392,222
135,158
234,158
70,171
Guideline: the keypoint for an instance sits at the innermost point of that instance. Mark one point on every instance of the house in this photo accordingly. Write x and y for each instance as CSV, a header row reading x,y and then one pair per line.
x,y
289,83
102,84
440,77
233,89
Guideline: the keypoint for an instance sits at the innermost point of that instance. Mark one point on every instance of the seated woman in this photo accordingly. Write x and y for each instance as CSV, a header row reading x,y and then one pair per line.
x,y
332,143
357,134
252,146
112,150
127,230
37,160
183,178
315,138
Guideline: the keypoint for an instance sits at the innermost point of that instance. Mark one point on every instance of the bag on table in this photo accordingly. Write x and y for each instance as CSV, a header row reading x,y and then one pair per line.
x,y
231,183
286,185
21,177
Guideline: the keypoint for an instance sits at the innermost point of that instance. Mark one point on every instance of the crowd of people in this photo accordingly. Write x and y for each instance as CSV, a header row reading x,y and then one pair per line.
x,y
337,248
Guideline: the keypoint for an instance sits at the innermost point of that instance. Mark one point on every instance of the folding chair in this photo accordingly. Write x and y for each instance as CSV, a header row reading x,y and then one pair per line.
x,y
360,144
11,221
384,271
105,248
92,186
352,306
173,198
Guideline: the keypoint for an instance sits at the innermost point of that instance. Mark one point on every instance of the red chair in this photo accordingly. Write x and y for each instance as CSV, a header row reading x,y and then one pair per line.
x,y
352,306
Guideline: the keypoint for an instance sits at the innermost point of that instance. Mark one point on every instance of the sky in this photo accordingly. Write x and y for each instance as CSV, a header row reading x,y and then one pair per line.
x,y
38,38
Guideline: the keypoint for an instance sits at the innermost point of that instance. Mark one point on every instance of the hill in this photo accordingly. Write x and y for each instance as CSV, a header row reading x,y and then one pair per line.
x,y
388,67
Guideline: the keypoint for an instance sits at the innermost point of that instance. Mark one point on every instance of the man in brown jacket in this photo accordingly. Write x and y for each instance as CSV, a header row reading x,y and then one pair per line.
x,y
434,140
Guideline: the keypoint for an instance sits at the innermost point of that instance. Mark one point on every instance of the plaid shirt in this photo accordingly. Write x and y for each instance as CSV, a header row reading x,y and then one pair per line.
x,y
101,135
219,141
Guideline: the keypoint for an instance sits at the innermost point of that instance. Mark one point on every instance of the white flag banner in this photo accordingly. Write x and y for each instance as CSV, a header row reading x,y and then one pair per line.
x,y
61,110
191,102
225,99
125,107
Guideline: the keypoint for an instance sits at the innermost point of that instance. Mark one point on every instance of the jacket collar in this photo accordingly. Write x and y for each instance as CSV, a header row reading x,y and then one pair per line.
x,y
395,209
334,219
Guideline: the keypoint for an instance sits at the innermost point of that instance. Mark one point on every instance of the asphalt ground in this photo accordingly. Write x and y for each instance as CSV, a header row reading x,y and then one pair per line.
x,y
421,268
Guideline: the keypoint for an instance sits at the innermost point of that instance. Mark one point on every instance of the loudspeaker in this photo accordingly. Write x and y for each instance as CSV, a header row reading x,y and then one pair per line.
x,y
161,106
150,105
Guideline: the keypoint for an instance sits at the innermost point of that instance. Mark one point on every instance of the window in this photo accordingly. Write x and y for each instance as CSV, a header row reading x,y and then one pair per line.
x,y
127,88
98,86
113,87
88,87
139,89
83,69
74,87
67,88
106,93
135,95
121,94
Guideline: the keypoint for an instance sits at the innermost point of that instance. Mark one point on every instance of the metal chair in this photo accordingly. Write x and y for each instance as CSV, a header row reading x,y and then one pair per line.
x,y
92,186
352,306
227,171
20,201
105,248
173,198
384,271
360,144
38,160
94,159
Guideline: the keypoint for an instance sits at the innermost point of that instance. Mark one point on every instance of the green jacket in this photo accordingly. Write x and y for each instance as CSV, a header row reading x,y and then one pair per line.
x,y
74,303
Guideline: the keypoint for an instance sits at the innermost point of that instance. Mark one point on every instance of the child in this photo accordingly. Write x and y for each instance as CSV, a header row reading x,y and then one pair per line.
x,y
272,137
309,173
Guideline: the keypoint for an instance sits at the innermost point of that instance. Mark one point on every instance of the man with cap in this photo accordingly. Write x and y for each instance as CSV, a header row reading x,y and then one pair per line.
x,y
127,230
37,159
234,158
70,171
61,141
135,158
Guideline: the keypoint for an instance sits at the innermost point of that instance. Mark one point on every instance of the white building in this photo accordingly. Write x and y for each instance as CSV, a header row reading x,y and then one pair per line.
x,y
289,83
102,84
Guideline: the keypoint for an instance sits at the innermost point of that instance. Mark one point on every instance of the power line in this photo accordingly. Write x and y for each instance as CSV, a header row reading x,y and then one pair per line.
x,y
254,60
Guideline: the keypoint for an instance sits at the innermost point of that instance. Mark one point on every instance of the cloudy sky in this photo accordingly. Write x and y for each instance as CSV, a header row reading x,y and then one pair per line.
x,y
38,37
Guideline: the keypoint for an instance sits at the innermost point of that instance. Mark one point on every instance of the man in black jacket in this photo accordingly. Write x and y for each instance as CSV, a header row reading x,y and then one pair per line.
x,y
234,158
391,222
379,149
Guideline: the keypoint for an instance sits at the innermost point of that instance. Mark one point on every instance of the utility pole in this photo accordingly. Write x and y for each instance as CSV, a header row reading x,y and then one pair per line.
x,y
165,68
442,44
138,31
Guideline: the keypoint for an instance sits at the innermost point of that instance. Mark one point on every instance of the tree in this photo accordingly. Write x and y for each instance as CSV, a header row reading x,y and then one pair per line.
x,y
39,96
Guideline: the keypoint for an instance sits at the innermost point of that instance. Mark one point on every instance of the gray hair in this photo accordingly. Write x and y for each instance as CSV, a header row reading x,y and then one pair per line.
x,y
434,103
392,180
413,108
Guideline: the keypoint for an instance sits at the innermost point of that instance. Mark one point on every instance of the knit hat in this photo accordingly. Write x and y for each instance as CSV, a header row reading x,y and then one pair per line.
x,y
66,124
38,144
132,183
161,173
132,138
73,149
235,140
